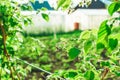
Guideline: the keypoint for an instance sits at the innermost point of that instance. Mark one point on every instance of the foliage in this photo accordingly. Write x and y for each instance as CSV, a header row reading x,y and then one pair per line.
x,y
95,55
48,51
73,52
11,22
114,7
99,53
45,16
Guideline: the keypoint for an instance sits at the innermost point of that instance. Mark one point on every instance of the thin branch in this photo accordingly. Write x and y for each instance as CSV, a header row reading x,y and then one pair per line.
x,y
4,36
104,74
17,73
11,73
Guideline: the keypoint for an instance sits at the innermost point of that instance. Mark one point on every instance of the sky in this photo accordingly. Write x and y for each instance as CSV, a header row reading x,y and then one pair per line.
x,y
106,1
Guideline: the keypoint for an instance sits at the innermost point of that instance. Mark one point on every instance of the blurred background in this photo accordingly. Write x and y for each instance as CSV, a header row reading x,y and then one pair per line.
x,y
60,21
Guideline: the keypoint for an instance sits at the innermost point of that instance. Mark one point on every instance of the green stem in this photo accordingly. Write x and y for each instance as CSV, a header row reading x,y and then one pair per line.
x,y
11,73
17,73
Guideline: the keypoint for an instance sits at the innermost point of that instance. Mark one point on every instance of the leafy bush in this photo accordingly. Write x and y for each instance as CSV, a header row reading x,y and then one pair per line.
x,y
95,55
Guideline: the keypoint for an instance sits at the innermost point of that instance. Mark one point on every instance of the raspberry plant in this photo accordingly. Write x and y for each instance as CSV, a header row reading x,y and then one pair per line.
x,y
11,22
102,45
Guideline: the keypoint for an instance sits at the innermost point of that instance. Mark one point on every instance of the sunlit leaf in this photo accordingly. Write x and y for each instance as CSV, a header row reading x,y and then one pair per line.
x,y
85,34
87,46
104,31
60,3
113,7
32,0
7,70
44,9
66,4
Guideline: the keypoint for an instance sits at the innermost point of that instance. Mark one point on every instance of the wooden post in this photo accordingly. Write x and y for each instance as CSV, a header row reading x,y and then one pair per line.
x,y
76,26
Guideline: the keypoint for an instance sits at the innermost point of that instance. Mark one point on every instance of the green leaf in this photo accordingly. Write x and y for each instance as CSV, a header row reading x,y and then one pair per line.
x,y
87,46
11,51
74,52
85,34
45,16
100,46
44,9
12,22
117,73
113,7
32,0
25,23
89,75
3,65
113,43
104,31
66,4
71,74
60,3
105,63
26,7
1,60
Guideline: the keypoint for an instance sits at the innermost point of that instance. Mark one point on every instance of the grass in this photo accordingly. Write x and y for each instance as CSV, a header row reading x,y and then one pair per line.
x,y
51,35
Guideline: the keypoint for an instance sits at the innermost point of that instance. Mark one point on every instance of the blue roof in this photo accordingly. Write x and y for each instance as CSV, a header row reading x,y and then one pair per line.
x,y
36,5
